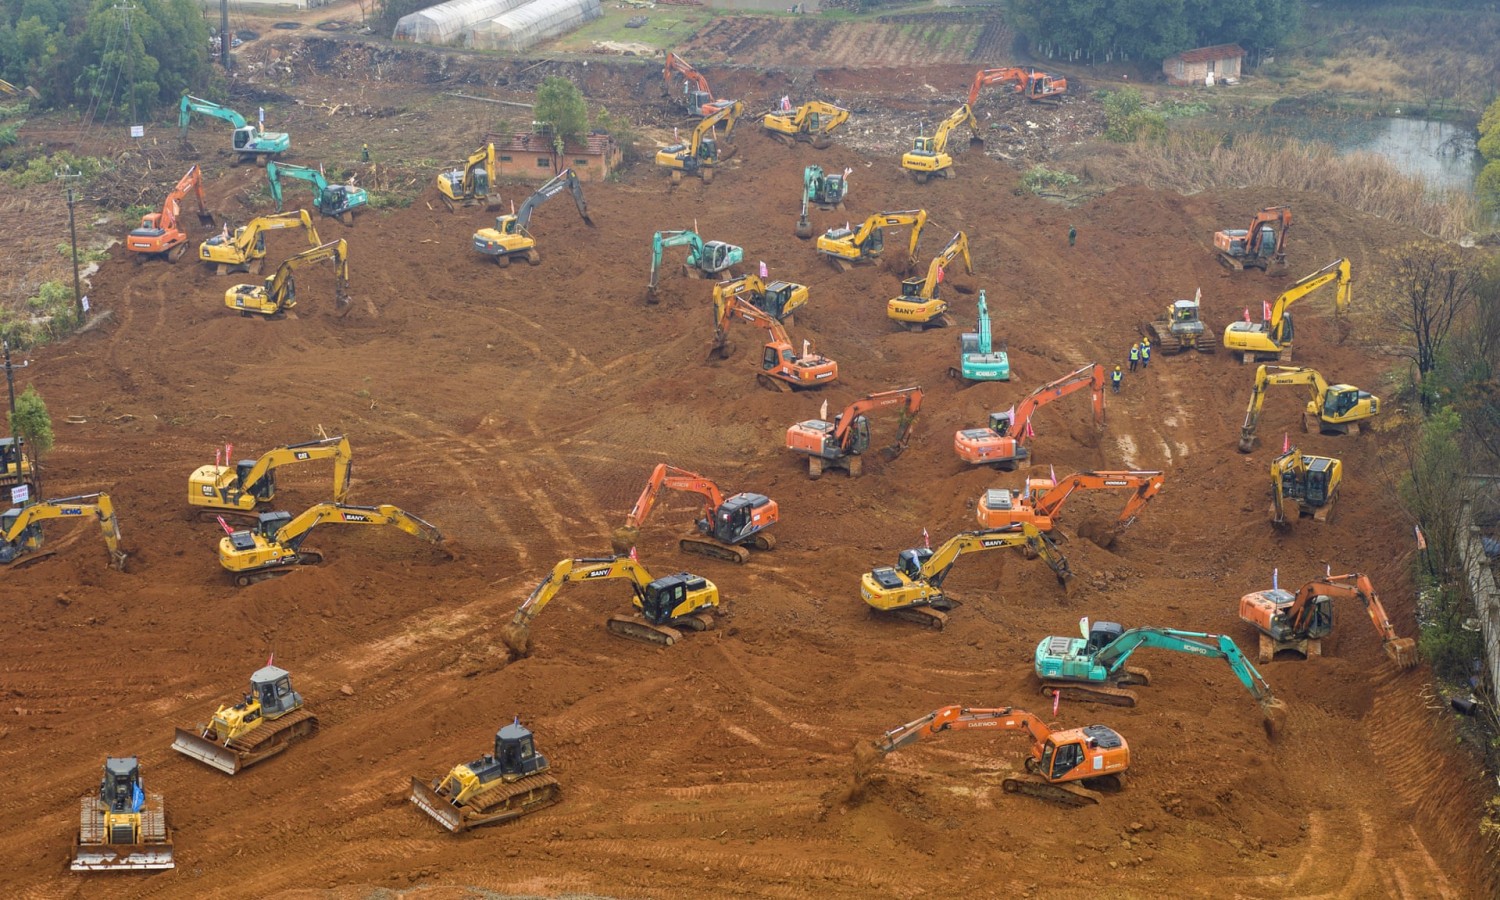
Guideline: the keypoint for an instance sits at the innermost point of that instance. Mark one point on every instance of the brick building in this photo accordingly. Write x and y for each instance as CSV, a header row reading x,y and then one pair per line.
x,y
1194,66
526,154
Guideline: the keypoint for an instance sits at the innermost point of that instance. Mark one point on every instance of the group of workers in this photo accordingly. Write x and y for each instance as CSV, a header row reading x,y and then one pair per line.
x,y
1140,355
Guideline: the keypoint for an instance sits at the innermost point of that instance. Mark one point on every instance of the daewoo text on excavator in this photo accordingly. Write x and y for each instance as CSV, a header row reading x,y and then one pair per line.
x,y
248,142
470,183
511,237
978,358
1272,339
240,490
727,528
782,368
274,546
270,718
1182,330
1004,443
21,528
840,444
928,156
1035,86
245,249
920,306
120,826
1069,767
666,606
1304,485
812,122
160,235
1002,508
279,292
1092,668
696,96
1299,622
779,299
494,788
337,201
1258,245
704,258
846,247
1333,409
912,589
704,151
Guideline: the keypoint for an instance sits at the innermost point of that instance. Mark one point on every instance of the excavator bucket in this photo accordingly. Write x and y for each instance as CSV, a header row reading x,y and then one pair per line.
x,y
623,538
1402,652
517,639
205,751
1275,713
429,802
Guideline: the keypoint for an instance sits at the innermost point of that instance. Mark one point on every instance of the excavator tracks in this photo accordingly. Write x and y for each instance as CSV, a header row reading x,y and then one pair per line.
x,y
1065,794
636,628
260,744
1090,693
254,576
925,616
1269,647
714,550
498,803
772,384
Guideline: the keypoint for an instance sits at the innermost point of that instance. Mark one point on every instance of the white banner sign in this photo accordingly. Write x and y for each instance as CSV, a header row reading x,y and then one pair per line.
x,y
20,494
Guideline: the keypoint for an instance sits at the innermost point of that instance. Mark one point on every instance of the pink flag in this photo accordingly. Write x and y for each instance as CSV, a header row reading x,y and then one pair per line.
x,y
228,453
272,658
1265,310
1030,432
633,556
1421,539
1056,700
940,275
1286,442
1247,315
216,456
1054,473
224,525
926,541
764,272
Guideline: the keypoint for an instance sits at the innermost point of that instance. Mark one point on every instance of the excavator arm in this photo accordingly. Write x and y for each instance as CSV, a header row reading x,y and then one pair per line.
x,y
294,532
190,104
936,568
1089,376
964,114
1401,651
1214,646
567,179
958,718
910,400
729,115
1265,376
1147,484
957,246
8,88
1338,270
672,478
570,570
18,538
1035,85
335,448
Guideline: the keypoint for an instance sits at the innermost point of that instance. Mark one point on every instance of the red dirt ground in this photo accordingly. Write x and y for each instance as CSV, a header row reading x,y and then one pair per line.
x,y
520,411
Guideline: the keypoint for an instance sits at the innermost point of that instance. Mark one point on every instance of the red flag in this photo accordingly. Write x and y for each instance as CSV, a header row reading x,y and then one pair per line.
x,y
224,525
633,556
216,456
272,658
1030,432
1265,310
1421,540
1286,442
926,541
1247,315
1056,700
940,275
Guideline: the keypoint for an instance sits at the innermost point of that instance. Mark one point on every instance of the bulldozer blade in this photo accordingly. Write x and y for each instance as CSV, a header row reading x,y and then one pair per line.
x,y
207,752
429,802
1402,652
121,857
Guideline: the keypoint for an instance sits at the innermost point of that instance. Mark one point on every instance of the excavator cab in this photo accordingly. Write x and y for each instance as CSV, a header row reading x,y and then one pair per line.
x,y
1341,400
1101,635
262,490
1073,755
924,145
774,301
716,256
268,523
13,466
244,136
1000,422
1320,481
664,595
735,519
911,561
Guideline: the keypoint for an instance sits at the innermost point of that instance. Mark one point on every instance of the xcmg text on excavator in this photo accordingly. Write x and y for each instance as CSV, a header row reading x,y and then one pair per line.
x,y
1333,409
494,788
160,234
1299,622
274,546
120,826
704,258
1272,339
929,156
1182,330
270,718
1258,245
846,247
782,368
696,97
1002,508
239,490
470,183
978,358
912,590
840,444
1035,86
511,236
21,528
248,143
665,607
727,528
244,250
778,299
1092,668
1304,485
1004,443
703,152
812,122
278,294
920,306
1069,767
338,201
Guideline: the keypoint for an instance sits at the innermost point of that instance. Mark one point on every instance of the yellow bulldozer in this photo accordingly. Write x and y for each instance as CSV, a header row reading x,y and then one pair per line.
x,y
270,718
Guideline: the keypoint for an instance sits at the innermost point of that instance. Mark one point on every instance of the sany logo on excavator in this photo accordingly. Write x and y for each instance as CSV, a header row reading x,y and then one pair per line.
x,y
597,573
354,517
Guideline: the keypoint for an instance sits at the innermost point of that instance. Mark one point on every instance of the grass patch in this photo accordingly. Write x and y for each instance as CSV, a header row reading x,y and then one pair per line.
x,y
49,313
43,168
664,28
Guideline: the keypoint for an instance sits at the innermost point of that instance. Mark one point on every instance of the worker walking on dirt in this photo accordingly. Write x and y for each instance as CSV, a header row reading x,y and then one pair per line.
x,y
364,153
1145,353
1135,356
1114,379
1072,235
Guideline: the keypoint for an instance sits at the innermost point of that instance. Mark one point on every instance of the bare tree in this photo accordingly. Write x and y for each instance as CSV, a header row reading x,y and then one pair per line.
x,y
1475,359
1425,291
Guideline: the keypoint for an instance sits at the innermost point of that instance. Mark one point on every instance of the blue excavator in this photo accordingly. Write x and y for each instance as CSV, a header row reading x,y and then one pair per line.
x,y
338,201
1092,668
250,143
978,359
704,258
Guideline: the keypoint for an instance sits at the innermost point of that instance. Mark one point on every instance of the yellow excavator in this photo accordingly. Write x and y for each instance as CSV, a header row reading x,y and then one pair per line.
x,y
470,183
511,237
274,546
846,247
703,152
240,489
928,156
1332,409
279,293
1304,485
778,299
812,122
919,306
15,468
1271,340
245,249
493,788
7,88
912,589
21,528
270,718
666,606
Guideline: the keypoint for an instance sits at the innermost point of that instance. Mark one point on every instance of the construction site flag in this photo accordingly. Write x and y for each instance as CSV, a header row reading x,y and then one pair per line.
x,y
1030,432
764,272
224,525
217,451
926,541
1286,442
1198,296
1056,700
1247,315
1275,579
1265,310
228,453
1053,469
823,412
1421,539
940,275
270,660
633,556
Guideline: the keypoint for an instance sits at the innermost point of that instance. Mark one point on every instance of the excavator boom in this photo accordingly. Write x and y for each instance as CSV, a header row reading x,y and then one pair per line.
x,y
1337,409
511,236
278,294
839,444
844,247
703,151
929,155
252,144
245,248
239,489
813,121
919,305
1003,443
274,546
1272,339
781,366
21,528
1300,622
696,95
1256,246
339,201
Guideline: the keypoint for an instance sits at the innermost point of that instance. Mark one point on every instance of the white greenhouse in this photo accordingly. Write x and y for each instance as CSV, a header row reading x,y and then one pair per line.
x,y
528,25
446,23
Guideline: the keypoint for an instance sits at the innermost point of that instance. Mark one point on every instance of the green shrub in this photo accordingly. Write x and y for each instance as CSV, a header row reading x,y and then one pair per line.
x,y
1040,178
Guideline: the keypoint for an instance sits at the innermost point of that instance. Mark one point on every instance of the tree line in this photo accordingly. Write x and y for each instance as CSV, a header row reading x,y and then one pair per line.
x,y
1148,30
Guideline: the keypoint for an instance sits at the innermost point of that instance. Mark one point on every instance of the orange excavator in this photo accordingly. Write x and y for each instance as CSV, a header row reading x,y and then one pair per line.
x,y
1299,623
1035,86
840,444
695,94
159,235
726,530
1003,443
1258,245
1003,508
1068,767
781,367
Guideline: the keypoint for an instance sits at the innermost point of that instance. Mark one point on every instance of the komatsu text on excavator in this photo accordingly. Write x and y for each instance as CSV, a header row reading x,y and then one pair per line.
x,y
240,490
727,529
1005,442
1332,409
278,294
840,444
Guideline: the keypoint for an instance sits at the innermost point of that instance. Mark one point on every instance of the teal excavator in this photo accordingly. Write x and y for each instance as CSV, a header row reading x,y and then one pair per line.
x,y
978,359
252,144
338,201
704,258
825,191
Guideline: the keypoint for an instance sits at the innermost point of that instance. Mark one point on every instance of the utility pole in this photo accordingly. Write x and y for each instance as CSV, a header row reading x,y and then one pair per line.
x,y
73,238
10,382
224,40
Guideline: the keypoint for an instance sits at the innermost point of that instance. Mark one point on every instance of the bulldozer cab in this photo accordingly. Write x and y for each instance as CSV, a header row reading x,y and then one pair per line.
x,y
10,455
515,750
910,562
272,686
1101,635
120,790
